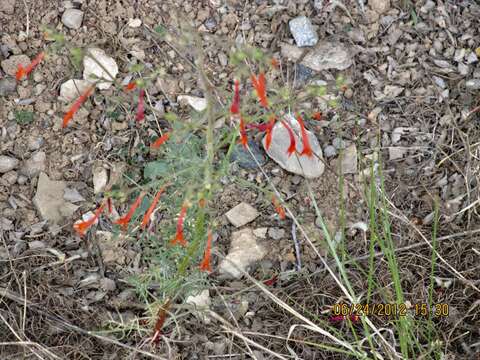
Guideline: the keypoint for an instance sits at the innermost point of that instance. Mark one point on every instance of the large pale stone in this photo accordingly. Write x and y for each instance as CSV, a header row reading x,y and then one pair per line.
x,y
98,65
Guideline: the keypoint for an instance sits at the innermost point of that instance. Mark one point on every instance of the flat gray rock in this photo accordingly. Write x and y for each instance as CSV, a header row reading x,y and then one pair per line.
x,y
92,71
49,200
303,31
244,251
10,65
309,167
326,55
7,163
8,85
349,160
242,214
72,18
33,166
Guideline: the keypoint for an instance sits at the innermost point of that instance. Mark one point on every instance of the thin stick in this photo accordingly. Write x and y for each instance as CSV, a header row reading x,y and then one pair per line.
x,y
298,264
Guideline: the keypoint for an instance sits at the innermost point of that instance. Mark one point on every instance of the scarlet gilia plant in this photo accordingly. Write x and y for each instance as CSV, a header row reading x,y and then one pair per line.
x,y
149,212
76,105
160,141
205,264
179,237
307,149
278,208
22,72
260,85
82,227
125,220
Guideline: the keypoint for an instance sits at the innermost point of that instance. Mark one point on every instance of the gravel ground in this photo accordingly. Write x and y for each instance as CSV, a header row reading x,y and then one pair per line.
x,y
412,77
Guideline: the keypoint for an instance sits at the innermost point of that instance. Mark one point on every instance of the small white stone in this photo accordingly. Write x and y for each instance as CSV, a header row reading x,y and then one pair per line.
x,y
71,89
100,179
7,163
395,153
244,251
379,6
242,214
72,18
349,161
197,103
201,302
92,71
303,31
261,233
134,23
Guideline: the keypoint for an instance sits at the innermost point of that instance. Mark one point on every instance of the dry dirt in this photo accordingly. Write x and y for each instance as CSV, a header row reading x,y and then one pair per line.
x,y
415,47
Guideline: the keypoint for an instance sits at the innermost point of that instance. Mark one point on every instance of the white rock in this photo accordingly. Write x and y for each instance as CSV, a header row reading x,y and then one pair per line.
x,y
309,167
349,161
49,200
93,71
261,233
72,18
7,163
244,251
396,153
379,6
100,179
201,302
72,195
242,214
71,89
134,23
197,103
303,31
326,55
34,165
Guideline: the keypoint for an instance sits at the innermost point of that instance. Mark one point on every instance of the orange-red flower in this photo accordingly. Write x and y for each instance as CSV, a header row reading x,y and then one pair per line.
x,y
148,213
179,238
21,71
243,133
292,148
141,106
317,115
130,86
160,141
307,149
235,108
82,226
278,208
205,264
76,105
259,83
268,137
125,220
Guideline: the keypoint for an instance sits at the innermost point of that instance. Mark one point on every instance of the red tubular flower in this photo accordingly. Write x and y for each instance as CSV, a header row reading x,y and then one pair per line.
x,y
148,213
205,264
21,72
243,133
160,141
278,208
307,149
161,317
82,227
125,220
260,88
268,137
76,105
109,203
293,146
235,108
179,239
130,86
317,116
141,106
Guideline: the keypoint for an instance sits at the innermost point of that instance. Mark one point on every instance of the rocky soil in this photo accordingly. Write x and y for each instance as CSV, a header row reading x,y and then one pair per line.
x,y
413,78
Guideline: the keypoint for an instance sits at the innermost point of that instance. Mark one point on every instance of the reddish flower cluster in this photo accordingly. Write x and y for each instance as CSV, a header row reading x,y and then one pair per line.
x,y
179,238
205,264
278,208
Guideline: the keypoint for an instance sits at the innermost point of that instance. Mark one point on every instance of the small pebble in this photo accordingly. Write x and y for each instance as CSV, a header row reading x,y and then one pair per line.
x,y
303,31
